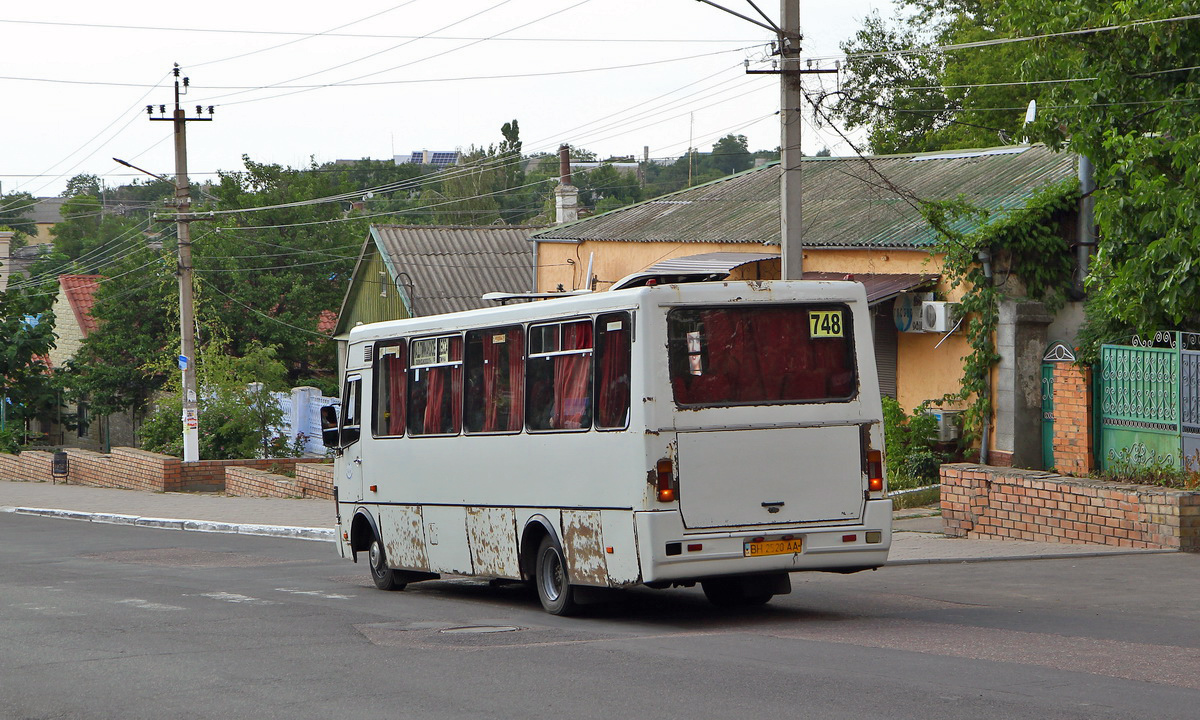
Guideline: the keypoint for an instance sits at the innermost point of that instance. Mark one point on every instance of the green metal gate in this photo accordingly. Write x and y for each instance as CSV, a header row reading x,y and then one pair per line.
x,y
1139,394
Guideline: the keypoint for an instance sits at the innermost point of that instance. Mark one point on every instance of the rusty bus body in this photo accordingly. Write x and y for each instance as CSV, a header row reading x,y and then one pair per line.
x,y
726,433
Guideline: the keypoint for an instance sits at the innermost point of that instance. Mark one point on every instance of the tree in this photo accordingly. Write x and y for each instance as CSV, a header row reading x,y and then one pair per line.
x,y
1124,98
122,363
731,154
238,414
1137,122
26,336
926,99
15,211
266,275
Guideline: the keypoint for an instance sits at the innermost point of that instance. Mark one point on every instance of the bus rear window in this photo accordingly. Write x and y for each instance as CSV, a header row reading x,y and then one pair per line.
x,y
761,355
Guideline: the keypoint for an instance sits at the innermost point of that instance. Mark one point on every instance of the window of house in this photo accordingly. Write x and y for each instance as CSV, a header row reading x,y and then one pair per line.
x,y
613,339
761,355
391,385
495,375
558,376
435,386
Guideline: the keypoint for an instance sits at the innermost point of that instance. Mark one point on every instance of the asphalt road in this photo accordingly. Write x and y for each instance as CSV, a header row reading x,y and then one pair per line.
x,y
107,621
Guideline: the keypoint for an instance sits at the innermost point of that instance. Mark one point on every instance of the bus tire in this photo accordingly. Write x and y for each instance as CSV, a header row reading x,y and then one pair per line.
x,y
385,578
734,593
550,576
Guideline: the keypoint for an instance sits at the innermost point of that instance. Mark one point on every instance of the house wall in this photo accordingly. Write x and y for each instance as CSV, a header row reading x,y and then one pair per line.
x,y
66,326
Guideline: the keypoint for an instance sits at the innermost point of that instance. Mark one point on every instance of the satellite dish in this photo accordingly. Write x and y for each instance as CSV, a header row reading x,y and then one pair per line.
x,y
1031,112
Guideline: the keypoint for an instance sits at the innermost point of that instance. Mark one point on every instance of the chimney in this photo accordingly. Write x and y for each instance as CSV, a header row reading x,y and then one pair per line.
x,y
566,195
6,237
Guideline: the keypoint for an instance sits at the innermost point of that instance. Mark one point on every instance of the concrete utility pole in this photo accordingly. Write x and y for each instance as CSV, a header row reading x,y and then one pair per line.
x,y
791,240
791,98
187,317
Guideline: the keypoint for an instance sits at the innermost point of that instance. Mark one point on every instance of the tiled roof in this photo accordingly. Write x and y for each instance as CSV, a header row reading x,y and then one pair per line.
x,y
847,202
450,268
80,291
327,321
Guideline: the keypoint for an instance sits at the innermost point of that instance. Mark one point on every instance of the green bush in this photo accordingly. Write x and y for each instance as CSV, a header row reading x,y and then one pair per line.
x,y
1138,467
237,412
912,460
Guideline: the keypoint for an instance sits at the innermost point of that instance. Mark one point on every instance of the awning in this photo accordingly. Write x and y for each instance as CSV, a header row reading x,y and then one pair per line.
x,y
879,287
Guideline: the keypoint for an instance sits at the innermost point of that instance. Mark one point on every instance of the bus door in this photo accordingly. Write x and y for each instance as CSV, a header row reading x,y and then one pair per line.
x,y
350,432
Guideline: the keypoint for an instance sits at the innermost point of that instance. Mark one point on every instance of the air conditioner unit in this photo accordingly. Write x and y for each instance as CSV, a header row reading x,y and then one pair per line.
x,y
940,316
948,424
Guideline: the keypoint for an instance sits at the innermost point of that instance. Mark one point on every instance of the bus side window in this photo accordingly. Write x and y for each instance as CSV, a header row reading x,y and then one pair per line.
x,y
494,366
612,370
558,376
435,386
351,411
391,386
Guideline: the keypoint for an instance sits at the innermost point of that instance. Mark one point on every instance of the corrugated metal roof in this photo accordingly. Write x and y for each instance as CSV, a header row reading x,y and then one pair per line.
x,y
848,202
452,267
879,287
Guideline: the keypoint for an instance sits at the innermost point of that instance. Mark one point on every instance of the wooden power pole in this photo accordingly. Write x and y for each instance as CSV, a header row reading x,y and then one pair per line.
x,y
187,315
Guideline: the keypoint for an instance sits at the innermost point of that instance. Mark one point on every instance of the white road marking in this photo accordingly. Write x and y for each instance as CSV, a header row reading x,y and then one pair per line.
x,y
147,605
235,598
315,593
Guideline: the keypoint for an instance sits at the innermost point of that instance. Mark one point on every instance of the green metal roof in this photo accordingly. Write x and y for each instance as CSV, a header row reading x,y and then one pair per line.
x,y
847,202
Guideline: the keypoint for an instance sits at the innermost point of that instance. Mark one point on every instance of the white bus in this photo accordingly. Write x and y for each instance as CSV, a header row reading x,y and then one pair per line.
x,y
726,433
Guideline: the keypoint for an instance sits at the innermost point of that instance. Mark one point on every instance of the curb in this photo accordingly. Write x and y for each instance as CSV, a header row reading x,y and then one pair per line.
x,y
1040,556
283,531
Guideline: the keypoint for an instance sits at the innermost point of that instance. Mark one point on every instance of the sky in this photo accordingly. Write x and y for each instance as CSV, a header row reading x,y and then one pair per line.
x,y
292,83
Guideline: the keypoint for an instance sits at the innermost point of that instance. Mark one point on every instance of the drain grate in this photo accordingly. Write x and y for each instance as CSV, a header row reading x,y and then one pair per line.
x,y
479,629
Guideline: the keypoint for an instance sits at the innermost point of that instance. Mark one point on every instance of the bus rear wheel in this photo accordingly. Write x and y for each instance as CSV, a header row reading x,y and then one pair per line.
x,y
385,578
550,576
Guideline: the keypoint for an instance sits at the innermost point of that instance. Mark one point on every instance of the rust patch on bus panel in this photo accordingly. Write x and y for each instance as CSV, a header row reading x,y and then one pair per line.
x,y
583,543
492,534
404,537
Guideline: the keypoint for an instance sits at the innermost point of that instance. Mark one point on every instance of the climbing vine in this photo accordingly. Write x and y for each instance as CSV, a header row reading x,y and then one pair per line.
x,y
1021,253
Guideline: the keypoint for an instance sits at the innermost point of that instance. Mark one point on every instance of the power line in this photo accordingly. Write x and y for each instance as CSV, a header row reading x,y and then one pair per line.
x,y
371,36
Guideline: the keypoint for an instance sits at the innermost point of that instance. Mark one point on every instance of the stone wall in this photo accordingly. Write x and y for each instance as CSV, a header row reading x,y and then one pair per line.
x,y
980,501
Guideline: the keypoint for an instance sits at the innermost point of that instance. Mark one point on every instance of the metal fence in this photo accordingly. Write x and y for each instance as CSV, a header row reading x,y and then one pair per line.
x,y
1149,397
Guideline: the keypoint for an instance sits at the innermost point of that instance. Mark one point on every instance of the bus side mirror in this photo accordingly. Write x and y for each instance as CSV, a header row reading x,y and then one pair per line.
x,y
329,426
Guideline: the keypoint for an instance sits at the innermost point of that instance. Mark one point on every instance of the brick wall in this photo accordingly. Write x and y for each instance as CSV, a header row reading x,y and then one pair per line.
x,y
135,469
312,480
1072,419
980,501
316,480
259,483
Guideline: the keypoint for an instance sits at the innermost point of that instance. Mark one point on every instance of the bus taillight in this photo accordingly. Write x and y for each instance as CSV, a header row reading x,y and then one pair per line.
x,y
665,471
875,471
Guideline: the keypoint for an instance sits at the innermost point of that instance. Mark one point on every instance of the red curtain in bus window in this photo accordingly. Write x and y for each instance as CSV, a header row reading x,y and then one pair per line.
x,y
516,379
456,394
397,391
572,375
491,373
435,388
612,387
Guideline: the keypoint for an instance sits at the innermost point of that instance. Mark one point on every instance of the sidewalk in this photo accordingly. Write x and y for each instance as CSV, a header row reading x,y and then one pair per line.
x,y
917,537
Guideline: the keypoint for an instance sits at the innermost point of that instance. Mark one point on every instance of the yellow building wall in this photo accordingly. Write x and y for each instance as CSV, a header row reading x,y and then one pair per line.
x,y
566,263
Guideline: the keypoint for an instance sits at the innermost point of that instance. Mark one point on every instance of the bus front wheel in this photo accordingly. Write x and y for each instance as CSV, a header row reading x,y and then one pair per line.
x,y
385,578
550,575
